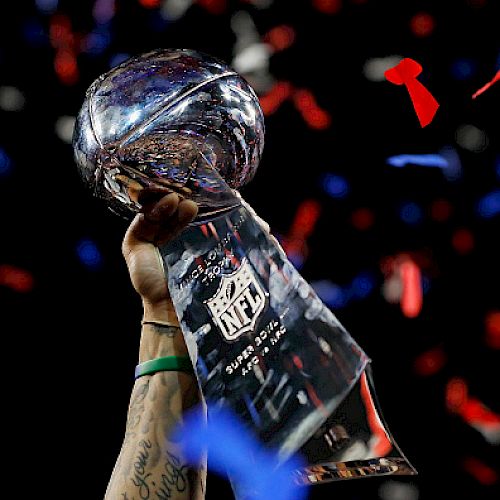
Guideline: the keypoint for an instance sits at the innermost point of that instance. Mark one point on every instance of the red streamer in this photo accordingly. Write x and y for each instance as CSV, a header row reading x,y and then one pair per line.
x,y
484,88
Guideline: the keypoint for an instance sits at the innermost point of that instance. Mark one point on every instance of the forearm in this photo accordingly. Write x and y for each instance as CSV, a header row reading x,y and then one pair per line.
x,y
150,465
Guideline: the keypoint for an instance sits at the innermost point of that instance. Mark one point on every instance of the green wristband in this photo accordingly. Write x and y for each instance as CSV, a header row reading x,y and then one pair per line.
x,y
168,363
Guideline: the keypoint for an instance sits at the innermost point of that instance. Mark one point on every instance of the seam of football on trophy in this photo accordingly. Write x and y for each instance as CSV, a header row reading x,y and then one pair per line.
x,y
260,339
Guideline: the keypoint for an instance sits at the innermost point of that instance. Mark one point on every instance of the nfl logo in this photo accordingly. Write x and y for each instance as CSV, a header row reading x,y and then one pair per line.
x,y
238,302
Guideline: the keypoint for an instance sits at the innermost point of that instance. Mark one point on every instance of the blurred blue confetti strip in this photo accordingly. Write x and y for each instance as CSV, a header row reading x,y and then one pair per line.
x,y
89,254
428,160
489,205
5,163
335,185
447,160
255,472
47,6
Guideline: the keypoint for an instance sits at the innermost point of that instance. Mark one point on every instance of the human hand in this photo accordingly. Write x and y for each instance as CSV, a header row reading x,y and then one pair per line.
x,y
164,215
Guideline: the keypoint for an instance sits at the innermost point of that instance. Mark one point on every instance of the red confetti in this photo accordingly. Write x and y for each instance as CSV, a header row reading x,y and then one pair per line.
x,y
430,362
487,86
441,210
327,6
297,362
150,4
474,412
305,219
280,37
66,67
362,219
492,324
213,6
313,115
15,278
422,24
271,101
480,471
60,33
456,394
411,295
463,241
405,73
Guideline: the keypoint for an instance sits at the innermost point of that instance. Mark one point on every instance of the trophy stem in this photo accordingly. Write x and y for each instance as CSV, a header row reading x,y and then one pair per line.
x,y
266,346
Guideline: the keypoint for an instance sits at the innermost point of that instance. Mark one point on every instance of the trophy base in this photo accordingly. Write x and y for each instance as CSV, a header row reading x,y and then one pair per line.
x,y
335,471
354,442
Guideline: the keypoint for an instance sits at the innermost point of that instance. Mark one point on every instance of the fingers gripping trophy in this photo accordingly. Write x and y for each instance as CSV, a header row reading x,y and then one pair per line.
x,y
260,339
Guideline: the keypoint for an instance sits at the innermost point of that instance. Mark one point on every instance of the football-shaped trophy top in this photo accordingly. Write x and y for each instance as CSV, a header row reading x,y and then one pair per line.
x,y
172,119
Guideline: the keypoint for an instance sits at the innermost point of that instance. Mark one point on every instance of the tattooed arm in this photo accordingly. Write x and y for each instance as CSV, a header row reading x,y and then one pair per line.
x,y
150,465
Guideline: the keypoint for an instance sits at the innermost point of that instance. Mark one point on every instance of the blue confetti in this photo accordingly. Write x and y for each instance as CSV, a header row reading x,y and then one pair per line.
x,y
103,11
89,254
447,160
410,213
489,205
5,163
98,40
330,293
296,258
34,32
426,284
47,6
427,160
362,285
254,471
335,185
462,69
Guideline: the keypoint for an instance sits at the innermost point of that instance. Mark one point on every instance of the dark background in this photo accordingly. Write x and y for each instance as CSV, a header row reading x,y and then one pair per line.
x,y
71,320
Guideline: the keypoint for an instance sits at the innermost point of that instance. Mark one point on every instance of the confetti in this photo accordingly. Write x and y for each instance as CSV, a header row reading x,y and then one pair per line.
x,y
411,295
253,469
405,73
487,86
16,278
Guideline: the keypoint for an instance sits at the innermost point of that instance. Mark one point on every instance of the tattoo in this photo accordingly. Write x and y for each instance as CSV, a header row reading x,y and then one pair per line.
x,y
136,408
150,471
140,478
173,479
167,330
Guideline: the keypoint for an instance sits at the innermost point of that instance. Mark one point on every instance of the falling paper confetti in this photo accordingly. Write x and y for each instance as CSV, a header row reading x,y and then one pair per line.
x,y
251,467
487,86
405,73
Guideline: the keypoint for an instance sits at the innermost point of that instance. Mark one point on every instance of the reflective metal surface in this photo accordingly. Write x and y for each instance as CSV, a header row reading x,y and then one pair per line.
x,y
353,442
173,118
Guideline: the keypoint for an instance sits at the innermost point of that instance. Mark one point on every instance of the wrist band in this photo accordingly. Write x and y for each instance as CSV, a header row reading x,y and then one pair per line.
x,y
168,363
161,323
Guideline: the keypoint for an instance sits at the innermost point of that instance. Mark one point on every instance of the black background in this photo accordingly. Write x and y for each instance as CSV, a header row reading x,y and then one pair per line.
x,y
73,339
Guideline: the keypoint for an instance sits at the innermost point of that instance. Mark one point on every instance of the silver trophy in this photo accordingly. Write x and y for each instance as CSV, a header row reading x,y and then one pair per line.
x,y
262,342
